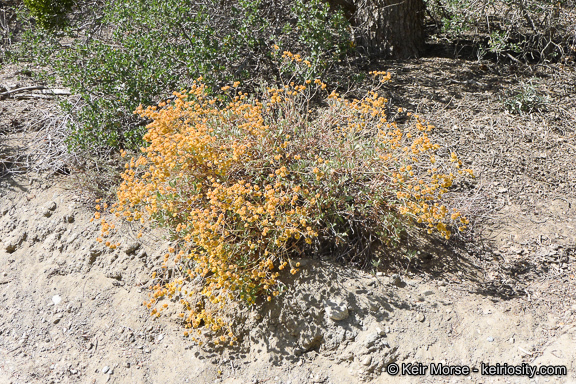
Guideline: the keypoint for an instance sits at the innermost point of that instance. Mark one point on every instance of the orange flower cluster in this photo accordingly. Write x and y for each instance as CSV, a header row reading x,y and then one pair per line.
x,y
245,185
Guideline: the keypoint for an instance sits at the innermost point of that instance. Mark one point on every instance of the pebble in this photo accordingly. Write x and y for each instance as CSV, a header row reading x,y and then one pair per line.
x,y
396,280
132,248
57,318
105,369
337,311
490,339
49,208
367,360
420,317
147,350
56,299
69,218
372,338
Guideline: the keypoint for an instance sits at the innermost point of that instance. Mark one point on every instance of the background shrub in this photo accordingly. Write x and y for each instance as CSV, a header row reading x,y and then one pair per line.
x,y
530,30
139,51
50,13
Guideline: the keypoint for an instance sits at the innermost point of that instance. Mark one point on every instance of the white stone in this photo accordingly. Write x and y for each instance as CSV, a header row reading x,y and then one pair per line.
x,y
337,311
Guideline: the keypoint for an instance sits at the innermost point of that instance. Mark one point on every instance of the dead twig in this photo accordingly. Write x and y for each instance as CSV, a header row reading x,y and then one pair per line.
x,y
18,90
45,92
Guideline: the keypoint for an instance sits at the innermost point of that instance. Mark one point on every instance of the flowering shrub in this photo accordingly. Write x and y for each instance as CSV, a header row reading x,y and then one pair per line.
x,y
245,185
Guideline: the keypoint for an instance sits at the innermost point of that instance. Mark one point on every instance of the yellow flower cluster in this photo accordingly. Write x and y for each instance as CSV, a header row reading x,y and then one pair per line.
x,y
244,185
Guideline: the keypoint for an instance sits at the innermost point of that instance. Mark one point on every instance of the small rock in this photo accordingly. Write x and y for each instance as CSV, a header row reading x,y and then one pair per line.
x,y
69,218
48,209
116,275
490,339
516,250
12,243
512,341
56,299
141,255
132,247
337,311
396,280
371,339
374,306
367,360
147,350
420,317
105,369
160,337
311,338
57,318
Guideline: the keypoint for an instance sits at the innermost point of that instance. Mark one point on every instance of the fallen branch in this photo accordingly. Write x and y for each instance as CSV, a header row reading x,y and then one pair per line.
x,y
33,96
45,91
18,90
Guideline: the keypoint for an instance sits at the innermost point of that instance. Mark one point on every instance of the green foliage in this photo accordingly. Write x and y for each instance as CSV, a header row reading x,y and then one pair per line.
x,y
527,100
532,30
50,13
142,50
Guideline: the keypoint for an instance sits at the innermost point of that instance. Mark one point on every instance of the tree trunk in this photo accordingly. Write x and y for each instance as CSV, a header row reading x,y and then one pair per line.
x,y
389,28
